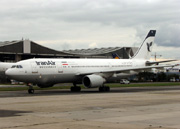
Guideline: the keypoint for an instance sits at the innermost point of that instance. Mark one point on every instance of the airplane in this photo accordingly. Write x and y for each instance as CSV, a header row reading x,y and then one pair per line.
x,y
4,66
92,73
115,56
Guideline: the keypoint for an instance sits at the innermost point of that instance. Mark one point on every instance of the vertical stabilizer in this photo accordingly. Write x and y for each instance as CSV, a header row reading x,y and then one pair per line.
x,y
115,56
146,47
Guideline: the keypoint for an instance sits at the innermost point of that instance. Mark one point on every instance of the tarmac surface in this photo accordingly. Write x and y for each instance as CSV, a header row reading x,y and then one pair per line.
x,y
121,108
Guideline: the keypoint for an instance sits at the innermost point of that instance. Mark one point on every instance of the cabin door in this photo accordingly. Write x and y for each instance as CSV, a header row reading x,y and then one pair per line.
x,y
60,68
34,67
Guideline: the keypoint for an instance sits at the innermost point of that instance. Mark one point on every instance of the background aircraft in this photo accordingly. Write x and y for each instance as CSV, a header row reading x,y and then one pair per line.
x,y
4,66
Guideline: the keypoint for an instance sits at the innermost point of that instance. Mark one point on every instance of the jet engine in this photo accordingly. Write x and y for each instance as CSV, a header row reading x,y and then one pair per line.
x,y
93,81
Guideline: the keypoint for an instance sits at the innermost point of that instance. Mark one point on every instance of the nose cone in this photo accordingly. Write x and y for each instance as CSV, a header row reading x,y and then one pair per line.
x,y
9,73
14,74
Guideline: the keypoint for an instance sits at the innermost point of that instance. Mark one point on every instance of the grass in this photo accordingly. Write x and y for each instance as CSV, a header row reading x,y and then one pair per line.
x,y
108,84
13,88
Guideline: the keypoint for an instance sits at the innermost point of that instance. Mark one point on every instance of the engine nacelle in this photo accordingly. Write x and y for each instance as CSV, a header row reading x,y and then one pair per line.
x,y
92,81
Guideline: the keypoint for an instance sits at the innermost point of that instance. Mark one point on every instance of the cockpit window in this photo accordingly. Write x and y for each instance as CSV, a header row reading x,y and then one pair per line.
x,y
14,66
20,66
17,66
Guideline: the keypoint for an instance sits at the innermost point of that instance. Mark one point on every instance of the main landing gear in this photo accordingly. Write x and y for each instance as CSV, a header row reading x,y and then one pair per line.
x,y
30,90
75,88
78,88
104,89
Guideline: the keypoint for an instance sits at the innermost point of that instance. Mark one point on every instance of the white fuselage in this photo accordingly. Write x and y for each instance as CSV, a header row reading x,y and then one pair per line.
x,y
52,71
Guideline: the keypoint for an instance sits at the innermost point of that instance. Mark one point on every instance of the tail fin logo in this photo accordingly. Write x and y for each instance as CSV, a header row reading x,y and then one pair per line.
x,y
115,56
149,45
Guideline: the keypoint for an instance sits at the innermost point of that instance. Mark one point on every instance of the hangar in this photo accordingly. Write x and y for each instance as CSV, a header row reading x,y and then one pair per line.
x,y
122,52
13,51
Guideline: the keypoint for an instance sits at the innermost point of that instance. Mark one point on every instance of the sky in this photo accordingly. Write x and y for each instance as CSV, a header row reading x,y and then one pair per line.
x,y
82,24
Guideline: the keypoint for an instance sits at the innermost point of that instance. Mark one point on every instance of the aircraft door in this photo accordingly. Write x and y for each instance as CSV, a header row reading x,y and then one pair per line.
x,y
60,68
34,67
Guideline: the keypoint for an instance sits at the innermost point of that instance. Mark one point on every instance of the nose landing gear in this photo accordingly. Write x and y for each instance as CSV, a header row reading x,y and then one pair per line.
x,y
30,90
104,89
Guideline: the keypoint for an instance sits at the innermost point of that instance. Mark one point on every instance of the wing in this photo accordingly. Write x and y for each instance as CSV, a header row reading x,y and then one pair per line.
x,y
127,69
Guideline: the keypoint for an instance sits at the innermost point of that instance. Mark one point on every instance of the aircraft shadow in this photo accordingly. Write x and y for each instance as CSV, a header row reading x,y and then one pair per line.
x,y
88,91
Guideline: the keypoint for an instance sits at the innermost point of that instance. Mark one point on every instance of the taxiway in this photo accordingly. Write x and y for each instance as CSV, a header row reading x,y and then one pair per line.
x,y
122,108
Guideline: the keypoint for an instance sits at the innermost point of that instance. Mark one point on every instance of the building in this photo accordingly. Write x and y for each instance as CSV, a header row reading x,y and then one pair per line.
x,y
122,52
13,51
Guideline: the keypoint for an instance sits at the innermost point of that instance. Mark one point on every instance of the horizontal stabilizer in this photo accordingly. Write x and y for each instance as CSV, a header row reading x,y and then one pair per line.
x,y
157,62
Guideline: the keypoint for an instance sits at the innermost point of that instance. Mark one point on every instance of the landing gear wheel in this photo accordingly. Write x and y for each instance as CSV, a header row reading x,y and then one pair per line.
x,y
101,89
75,89
104,89
31,91
107,88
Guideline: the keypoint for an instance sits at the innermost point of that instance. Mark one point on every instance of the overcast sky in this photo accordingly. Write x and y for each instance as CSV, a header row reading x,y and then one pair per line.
x,y
77,24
